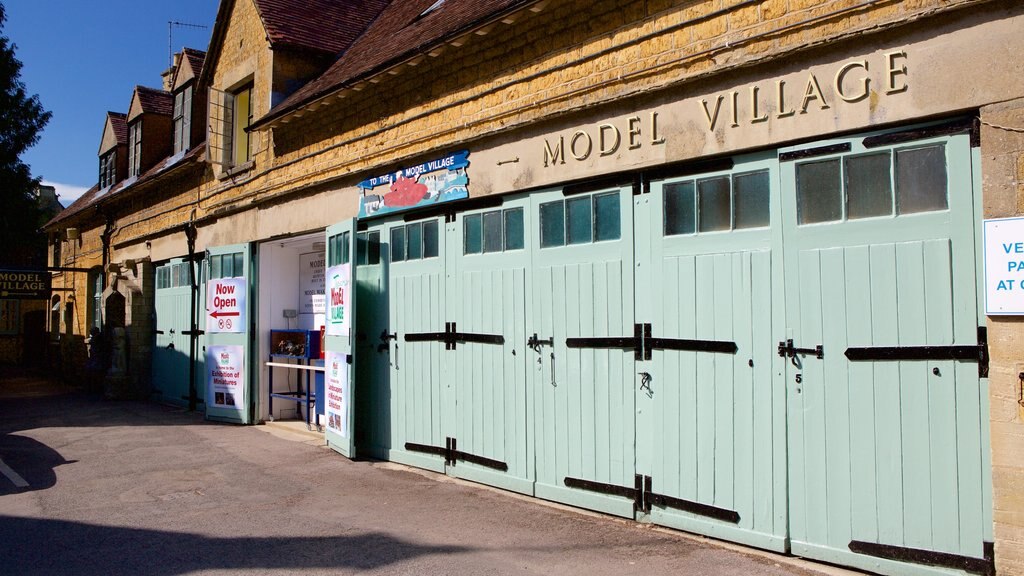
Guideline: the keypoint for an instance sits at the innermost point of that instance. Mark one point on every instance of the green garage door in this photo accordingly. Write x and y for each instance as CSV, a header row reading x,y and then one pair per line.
x,y
455,293
487,285
584,371
711,418
887,418
173,304
420,391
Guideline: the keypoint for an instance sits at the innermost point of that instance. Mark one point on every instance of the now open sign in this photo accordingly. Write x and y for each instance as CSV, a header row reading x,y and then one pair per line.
x,y
225,305
1004,266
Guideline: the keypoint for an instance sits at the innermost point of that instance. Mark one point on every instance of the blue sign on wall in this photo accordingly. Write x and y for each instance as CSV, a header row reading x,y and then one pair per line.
x,y
441,180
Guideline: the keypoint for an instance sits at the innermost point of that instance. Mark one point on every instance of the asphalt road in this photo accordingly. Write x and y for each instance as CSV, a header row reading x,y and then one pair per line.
x,y
135,488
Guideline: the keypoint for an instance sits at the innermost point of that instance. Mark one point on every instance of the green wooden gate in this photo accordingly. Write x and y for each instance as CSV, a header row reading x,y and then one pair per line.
x,y
173,305
887,422
711,416
228,334
488,265
445,302
585,377
420,393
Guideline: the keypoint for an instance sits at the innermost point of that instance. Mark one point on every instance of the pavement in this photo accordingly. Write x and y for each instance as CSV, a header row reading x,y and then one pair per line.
x,y
96,487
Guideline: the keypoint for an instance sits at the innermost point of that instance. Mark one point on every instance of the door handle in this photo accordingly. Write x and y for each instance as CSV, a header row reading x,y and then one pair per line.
x,y
645,382
534,343
787,349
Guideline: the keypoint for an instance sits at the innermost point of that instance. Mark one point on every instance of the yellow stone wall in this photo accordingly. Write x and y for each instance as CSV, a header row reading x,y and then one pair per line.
x,y
1003,192
559,61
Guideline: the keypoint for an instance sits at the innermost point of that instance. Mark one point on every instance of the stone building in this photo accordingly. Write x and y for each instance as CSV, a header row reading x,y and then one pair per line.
x,y
728,266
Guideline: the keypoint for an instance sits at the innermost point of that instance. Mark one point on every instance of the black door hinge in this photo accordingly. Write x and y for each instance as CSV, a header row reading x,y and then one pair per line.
x,y
643,343
644,497
965,353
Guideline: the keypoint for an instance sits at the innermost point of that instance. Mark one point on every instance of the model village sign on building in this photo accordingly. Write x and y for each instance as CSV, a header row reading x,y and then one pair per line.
x,y
851,83
24,285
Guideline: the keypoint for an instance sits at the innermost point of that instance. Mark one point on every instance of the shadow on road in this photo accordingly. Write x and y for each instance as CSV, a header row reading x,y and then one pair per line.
x,y
37,547
31,401
32,460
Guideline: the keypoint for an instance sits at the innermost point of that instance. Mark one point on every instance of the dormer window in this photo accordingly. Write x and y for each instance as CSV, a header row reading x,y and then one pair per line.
x,y
134,148
183,119
108,169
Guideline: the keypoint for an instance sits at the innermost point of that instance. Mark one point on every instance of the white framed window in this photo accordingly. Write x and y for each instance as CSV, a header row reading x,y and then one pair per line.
x,y
228,141
183,119
96,302
108,168
134,148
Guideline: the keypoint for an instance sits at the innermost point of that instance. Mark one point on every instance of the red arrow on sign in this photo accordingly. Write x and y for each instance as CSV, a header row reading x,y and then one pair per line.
x,y
218,314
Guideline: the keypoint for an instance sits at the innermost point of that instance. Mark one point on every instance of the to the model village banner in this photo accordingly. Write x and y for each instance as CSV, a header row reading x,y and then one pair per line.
x,y
225,377
24,285
440,180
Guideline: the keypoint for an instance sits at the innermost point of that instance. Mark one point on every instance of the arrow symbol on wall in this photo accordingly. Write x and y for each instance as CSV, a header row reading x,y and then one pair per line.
x,y
219,314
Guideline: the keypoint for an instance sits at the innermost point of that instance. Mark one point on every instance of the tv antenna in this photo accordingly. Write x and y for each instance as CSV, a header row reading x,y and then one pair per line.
x,y
171,25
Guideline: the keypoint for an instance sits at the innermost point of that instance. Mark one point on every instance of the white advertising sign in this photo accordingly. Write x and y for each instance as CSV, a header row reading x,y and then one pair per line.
x,y
225,377
337,390
311,283
225,305
1004,266
339,296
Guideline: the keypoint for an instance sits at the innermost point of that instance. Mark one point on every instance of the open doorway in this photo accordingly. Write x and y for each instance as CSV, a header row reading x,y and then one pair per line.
x,y
291,315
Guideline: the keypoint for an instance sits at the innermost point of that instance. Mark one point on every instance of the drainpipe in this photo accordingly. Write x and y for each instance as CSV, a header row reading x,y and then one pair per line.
x,y
194,332
108,232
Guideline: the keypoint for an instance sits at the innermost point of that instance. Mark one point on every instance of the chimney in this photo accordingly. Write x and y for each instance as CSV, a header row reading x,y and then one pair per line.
x,y
168,75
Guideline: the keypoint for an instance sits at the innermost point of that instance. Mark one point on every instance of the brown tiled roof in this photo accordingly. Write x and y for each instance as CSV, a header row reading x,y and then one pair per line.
x,y
320,25
195,59
95,195
155,101
402,31
119,124
77,206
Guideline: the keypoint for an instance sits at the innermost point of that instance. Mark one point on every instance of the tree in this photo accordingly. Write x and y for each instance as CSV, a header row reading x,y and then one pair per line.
x,y
22,118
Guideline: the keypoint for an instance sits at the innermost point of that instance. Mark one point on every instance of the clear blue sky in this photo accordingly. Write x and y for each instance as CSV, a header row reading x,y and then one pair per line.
x,y
83,58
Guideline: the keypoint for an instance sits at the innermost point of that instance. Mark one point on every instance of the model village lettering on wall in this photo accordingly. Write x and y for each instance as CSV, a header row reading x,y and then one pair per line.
x,y
851,83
